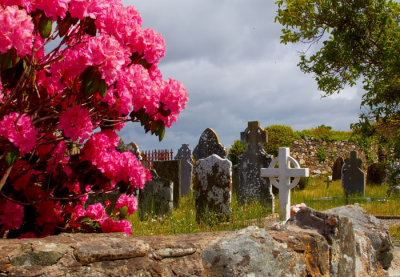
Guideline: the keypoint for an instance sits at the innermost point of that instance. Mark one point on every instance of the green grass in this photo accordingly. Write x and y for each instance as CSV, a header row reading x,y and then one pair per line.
x,y
183,219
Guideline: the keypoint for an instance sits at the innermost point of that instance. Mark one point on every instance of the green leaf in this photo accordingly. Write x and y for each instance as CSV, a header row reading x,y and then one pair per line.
x,y
12,156
161,133
6,61
123,211
45,24
102,88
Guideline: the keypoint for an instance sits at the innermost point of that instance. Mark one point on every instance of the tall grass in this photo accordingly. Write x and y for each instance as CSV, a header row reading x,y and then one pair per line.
x,y
183,219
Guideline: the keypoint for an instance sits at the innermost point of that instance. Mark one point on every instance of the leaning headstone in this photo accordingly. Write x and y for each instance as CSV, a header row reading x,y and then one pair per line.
x,y
212,189
170,170
251,187
157,197
185,155
209,144
353,178
284,173
337,169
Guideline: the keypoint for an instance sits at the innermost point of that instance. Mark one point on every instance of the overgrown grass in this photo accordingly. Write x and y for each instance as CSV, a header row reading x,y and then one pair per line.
x,y
374,202
183,219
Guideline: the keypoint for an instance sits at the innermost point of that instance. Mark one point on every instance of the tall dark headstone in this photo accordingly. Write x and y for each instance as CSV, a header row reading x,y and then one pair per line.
x,y
251,187
337,169
185,155
353,178
157,197
212,187
209,144
170,170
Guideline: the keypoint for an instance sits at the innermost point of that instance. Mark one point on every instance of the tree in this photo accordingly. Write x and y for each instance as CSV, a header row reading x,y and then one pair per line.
x,y
68,68
279,136
355,40
235,151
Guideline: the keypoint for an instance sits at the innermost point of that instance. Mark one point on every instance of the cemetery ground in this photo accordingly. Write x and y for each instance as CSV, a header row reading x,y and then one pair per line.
x,y
314,195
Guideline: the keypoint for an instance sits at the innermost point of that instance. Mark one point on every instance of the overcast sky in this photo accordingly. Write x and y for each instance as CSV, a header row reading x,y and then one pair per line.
x,y
228,55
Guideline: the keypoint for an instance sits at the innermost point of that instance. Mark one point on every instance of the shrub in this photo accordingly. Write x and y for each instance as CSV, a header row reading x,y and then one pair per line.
x,y
279,136
235,151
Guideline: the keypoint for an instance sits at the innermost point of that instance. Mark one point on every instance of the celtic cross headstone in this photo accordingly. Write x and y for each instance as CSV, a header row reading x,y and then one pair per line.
x,y
251,187
281,178
353,178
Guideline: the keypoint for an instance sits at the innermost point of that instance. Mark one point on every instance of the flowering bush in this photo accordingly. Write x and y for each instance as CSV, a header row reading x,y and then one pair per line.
x,y
68,68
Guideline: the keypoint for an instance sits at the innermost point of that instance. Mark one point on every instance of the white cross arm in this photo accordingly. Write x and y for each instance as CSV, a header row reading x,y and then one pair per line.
x,y
290,172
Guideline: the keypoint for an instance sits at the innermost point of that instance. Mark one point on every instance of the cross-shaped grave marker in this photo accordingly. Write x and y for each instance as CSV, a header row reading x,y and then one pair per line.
x,y
254,134
283,173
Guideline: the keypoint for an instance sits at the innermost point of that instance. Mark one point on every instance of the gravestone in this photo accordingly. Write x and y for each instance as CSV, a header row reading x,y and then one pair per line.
x,y
170,170
284,173
251,187
377,173
353,178
337,169
157,197
212,189
185,155
209,144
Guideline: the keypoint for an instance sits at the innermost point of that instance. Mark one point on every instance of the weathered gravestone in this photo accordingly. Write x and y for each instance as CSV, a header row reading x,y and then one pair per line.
x,y
353,178
157,197
185,155
377,173
212,188
170,170
209,144
337,169
284,173
251,187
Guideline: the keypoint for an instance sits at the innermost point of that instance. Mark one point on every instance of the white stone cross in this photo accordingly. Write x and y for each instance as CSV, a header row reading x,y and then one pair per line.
x,y
283,173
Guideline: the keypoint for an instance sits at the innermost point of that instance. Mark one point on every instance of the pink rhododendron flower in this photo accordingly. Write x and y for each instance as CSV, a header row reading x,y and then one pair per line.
x,y
151,44
128,201
76,123
109,226
96,212
52,8
16,28
20,132
11,215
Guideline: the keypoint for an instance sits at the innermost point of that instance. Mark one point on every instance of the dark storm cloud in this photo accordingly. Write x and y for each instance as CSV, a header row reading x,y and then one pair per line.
x,y
227,54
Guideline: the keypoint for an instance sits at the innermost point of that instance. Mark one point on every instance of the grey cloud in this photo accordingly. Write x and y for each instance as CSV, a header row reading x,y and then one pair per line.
x,y
227,54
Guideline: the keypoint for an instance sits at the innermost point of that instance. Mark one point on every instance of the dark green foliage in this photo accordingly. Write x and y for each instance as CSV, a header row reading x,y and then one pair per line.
x,y
235,151
353,42
321,154
279,136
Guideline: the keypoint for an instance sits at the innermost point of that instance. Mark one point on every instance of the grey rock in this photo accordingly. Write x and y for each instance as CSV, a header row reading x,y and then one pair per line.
x,y
370,231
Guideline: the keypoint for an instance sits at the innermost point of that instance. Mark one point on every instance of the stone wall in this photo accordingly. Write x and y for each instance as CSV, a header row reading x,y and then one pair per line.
x,y
310,244
305,152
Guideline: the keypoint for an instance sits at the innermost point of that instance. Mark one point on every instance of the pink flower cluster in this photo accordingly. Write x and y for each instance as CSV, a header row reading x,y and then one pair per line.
x,y
100,151
76,123
102,42
11,216
128,201
19,130
16,30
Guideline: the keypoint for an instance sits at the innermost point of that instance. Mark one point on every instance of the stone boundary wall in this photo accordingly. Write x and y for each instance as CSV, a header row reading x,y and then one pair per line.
x,y
305,152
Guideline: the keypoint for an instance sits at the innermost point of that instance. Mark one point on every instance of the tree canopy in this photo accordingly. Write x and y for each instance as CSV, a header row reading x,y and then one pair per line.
x,y
355,41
